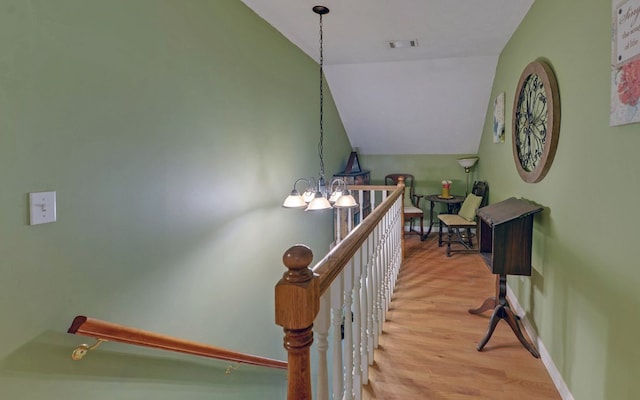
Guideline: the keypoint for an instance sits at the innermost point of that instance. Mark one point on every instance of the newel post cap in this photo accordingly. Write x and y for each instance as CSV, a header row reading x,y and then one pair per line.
x,y
298,292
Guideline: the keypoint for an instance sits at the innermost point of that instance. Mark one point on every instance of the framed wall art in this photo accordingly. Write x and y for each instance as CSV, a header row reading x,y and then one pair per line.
x,y
498,119
536,121
625,62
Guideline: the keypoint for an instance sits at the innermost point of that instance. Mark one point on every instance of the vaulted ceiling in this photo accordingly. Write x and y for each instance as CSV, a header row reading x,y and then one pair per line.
x,y
429,99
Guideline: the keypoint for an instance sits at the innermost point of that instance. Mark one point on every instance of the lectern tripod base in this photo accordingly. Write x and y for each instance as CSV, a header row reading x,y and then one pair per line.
x,y
502,310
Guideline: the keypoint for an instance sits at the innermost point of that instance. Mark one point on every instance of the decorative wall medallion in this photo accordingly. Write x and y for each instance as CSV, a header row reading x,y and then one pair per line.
x,y
536,121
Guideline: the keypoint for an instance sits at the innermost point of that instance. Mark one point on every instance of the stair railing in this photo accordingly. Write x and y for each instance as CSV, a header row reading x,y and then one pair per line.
x,y
104,331
343,298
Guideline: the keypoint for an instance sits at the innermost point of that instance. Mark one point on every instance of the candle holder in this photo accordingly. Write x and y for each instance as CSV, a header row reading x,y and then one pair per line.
x,y
446,192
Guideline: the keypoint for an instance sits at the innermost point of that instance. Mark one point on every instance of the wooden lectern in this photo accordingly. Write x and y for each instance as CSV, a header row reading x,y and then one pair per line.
x,y
505,232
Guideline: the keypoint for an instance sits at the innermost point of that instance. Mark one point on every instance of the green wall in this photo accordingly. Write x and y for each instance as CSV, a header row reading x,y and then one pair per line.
x,y
429,170
583,295
171,131
147,116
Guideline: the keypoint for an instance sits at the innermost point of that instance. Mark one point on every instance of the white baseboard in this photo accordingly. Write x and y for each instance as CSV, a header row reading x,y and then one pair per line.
x,y
556,377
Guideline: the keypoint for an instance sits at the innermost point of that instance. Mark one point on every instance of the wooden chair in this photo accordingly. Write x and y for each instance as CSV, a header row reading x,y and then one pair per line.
x,y
412,208
459,225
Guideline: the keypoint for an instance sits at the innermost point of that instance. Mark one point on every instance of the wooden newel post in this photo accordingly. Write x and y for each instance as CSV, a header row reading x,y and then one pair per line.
x,y
297,304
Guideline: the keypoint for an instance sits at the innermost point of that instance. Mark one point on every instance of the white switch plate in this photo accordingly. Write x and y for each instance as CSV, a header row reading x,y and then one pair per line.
x,y
42,207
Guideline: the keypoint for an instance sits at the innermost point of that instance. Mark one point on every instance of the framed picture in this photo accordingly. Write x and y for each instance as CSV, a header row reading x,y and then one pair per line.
x,y
625,63
353,165
498,119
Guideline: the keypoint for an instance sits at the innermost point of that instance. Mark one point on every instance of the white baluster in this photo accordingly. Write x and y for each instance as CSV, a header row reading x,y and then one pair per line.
x,y
364,312
370,298
357,326
348,331
373,300
337,225
384,263
337,295
390,261
321,329
379,284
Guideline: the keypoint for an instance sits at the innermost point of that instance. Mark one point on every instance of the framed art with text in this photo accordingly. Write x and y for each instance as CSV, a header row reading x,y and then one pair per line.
x,y
625,62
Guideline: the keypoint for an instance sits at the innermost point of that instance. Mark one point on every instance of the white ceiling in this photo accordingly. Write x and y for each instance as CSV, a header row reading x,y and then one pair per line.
x,y
430,99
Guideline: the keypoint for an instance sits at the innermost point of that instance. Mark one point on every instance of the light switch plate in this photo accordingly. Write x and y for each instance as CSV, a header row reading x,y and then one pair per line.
x,y
42,207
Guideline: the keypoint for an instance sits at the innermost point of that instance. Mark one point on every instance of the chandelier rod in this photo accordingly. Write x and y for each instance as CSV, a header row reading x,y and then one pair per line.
x,y
321,10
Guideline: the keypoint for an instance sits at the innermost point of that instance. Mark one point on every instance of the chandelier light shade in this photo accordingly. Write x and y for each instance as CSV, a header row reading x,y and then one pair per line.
x,y
340,196
318,196
345,201
319,202
295,199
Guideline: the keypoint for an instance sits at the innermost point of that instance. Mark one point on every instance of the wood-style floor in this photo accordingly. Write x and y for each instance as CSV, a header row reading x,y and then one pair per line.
x,y
428,345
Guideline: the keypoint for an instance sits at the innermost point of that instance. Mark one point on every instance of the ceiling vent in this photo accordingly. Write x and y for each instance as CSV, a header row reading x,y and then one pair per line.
x,y
399,44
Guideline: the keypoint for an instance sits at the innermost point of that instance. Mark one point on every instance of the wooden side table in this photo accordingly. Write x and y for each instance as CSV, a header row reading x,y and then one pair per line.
x,y
453,205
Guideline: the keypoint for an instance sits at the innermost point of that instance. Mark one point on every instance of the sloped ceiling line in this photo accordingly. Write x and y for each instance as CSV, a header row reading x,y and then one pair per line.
x,y
430,99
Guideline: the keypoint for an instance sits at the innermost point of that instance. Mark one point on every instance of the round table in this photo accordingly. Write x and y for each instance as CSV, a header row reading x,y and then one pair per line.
x,y
453,205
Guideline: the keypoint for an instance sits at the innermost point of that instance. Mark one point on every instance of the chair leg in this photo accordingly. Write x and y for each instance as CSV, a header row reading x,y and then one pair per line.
x,y
422,228
462,236
440,234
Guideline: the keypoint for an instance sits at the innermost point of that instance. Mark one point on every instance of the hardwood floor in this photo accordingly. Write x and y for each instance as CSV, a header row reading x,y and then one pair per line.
x,y
428,345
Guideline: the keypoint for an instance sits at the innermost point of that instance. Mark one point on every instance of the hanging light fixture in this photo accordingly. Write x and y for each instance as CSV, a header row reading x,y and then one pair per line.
x,y
319,200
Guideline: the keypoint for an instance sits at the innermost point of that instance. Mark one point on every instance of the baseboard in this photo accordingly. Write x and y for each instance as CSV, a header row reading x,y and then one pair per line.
x,y
544,354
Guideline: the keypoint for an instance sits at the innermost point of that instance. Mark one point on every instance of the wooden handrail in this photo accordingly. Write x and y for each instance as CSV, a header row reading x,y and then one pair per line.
x,y
107,331
379,188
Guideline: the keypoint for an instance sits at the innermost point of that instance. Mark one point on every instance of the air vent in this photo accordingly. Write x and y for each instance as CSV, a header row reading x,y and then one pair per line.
x,y
399,44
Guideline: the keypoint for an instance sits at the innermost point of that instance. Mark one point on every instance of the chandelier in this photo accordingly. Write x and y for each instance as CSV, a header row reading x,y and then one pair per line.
x,y
317,195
